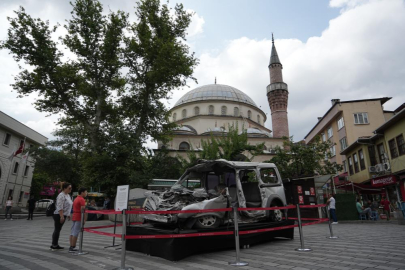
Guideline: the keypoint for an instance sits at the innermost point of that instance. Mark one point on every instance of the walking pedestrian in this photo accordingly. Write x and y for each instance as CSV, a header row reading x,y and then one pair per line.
x,y
9,205
386,207
62,211
31,207
332,208
78,205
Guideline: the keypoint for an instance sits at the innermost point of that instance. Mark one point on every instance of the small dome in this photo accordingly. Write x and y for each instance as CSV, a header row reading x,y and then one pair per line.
x,y
185,130
255,132
215,130
215,92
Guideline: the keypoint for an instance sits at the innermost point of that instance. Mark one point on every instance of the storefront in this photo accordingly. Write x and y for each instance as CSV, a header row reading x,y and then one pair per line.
x,y
390,184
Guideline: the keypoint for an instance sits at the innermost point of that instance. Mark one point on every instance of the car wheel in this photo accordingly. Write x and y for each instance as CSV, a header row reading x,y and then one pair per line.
x,y
207,222
276,215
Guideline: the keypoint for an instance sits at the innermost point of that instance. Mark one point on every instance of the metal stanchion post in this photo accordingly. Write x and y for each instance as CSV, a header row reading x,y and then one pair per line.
x,y
81,252
123,240
300,230
235,221
330,225
115,227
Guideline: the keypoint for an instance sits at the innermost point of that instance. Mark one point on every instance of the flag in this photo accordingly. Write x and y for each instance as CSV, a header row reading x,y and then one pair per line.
x,y
12,154
25,157
20,149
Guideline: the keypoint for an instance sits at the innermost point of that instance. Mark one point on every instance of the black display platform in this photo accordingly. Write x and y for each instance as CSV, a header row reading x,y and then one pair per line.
x,y
175,249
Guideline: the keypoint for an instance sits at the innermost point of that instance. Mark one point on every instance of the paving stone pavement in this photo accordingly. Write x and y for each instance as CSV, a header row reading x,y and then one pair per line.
x,y
25,245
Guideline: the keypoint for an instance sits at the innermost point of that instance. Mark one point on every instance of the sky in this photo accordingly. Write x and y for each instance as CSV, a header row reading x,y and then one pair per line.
x,y
337,49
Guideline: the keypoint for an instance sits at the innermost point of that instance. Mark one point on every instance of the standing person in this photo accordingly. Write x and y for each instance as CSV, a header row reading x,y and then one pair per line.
x,y
9,205
62,211
107,204
78,205
332,208
386,207
31,207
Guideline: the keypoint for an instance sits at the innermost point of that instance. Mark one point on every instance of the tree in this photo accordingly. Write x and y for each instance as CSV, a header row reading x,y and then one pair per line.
x,y
231,146
113,86
296,159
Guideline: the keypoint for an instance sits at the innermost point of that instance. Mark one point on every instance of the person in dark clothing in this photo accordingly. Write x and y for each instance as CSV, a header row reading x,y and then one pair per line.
x,y
31,207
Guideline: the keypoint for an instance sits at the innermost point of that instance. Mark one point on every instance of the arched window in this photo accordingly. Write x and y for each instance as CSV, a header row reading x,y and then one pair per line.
x,y
184,113
223,110
174,116
196,110
236,111
211,109
184,146
258,119
249,114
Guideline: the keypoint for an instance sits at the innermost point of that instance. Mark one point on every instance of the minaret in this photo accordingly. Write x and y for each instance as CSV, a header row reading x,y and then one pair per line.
x,y
277,95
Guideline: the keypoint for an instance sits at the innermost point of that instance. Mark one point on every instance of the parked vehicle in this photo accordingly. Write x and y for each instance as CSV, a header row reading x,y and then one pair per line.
x,y
44,203
218,184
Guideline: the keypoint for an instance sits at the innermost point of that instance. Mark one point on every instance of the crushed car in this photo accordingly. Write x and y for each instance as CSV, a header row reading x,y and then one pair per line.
x,y
219,184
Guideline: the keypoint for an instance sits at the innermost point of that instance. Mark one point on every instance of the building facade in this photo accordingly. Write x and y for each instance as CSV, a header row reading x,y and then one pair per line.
x,y
378,161
15,172
211,109
346,121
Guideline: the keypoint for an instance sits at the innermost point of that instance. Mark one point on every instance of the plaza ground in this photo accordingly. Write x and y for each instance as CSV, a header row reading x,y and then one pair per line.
x,y
25,245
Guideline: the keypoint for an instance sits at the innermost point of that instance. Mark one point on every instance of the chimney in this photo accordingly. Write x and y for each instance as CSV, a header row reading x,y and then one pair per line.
x,y
334,101
319,119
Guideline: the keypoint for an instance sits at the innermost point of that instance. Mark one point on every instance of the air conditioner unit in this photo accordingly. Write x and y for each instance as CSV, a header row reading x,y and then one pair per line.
x,y
372,169
379,167
387,166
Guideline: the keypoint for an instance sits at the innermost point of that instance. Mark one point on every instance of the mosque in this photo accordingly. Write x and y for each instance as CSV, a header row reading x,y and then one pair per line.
x,y
210,109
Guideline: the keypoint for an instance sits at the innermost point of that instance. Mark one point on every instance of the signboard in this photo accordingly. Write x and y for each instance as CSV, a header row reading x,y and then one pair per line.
x,y
121,200
299,189
383,181
301,199
312,191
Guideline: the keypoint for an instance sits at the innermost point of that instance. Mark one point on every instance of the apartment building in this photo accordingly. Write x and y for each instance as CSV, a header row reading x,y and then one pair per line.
x,y
16,173
378,161
346,121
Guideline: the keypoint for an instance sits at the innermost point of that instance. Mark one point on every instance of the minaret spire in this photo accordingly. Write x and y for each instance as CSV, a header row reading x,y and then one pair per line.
x,y
277,95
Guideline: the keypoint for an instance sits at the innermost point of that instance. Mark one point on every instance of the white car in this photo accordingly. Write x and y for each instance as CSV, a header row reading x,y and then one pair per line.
x,y
44,203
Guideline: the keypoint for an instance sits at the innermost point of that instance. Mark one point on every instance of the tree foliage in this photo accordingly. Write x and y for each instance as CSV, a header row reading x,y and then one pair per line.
x,y
297,159
110,89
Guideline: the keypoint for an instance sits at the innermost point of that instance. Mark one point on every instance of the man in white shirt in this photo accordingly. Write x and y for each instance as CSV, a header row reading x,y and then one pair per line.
x,y
332,208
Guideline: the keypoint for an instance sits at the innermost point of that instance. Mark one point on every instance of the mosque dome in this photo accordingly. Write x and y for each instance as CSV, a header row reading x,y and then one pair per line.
x,y
215,92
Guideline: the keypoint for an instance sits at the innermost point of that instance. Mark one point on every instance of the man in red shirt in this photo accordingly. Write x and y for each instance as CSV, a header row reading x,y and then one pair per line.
x,y
78,205
386,204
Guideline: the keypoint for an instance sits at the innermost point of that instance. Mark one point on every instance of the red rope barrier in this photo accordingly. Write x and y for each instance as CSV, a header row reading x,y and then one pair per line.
x,y
267,208
267,229
312,206
179,211
102,233
103,212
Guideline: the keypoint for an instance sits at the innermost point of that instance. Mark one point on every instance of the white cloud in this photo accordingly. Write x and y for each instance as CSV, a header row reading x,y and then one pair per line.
x,y
196,25
359,56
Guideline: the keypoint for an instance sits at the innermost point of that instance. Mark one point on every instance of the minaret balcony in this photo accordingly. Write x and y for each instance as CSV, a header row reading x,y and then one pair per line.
x,y
277,86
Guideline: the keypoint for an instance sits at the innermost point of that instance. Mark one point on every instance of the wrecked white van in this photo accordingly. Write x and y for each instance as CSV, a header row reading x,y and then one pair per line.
x,y
219,184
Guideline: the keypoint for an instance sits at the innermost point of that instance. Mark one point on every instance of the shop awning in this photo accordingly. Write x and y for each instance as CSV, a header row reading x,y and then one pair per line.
x,y
360,188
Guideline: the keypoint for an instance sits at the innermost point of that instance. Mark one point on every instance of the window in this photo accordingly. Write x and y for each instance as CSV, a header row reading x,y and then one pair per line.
x,y
7,139
343,143
393,148
236,111
330,132
174,116
340,123
361,157
258,119
249,114
223,110
371,154
323,137
344,166
381,152
184,146
184,113
196,111
361,118
10,193
268,175
21,196
26,170
356,163
401,145
333,151
15,167
350,165
211,109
